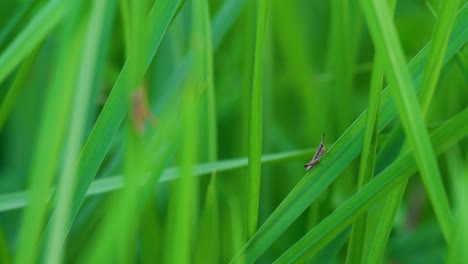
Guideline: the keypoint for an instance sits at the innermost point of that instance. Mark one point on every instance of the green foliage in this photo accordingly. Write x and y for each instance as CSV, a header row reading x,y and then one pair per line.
x,y
176,131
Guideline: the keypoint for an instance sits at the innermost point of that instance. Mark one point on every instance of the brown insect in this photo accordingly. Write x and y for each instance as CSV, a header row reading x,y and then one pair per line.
x,y
141,111
318,155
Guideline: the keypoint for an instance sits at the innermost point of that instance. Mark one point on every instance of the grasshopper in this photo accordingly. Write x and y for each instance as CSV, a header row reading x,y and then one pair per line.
x,y
141,111
318,155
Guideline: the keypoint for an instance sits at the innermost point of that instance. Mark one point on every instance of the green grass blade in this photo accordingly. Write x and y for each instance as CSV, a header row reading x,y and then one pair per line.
x,y
5,256
153,162
342,59
49,143
17,200
367,162
458,170
384,219
295,49
84,86
206,57
137,39
345,149
150,228
185,204
12,23
255,130
15,89
224,19
440,39
115,109
368,154
462,65
207,247
31,36
451,132
386,41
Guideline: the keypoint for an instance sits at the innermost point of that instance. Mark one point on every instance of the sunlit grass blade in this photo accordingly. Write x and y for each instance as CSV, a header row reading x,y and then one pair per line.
x,y
458,170
255,129
118,227
137,39
207,247
115,109
367,162
84,86
387,44
384,218
345,149
16,200
49,143
368,154
185,204
440,39
451,132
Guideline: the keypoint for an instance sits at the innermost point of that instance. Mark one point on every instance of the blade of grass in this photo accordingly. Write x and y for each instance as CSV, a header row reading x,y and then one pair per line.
x,y
440,39
451,132
14,21
341,61
255,130
115,109
17,200
119,226
236,223
368,154
31,36
5,256
332,250
459,182
224,19
184,201
384,218
292,43
207,246
150,228
462,65
386,40
137,39
15,89
161,148
185,204
85,80
345,149
49,144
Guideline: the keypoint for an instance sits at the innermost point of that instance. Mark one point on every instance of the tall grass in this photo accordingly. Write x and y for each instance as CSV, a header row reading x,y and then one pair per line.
x,y
176,131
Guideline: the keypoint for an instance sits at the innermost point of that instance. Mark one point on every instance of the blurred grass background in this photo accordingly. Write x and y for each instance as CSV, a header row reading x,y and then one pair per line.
x,y
176,131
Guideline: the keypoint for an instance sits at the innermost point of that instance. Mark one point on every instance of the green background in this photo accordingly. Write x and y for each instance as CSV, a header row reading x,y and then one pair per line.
x,y
175,131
